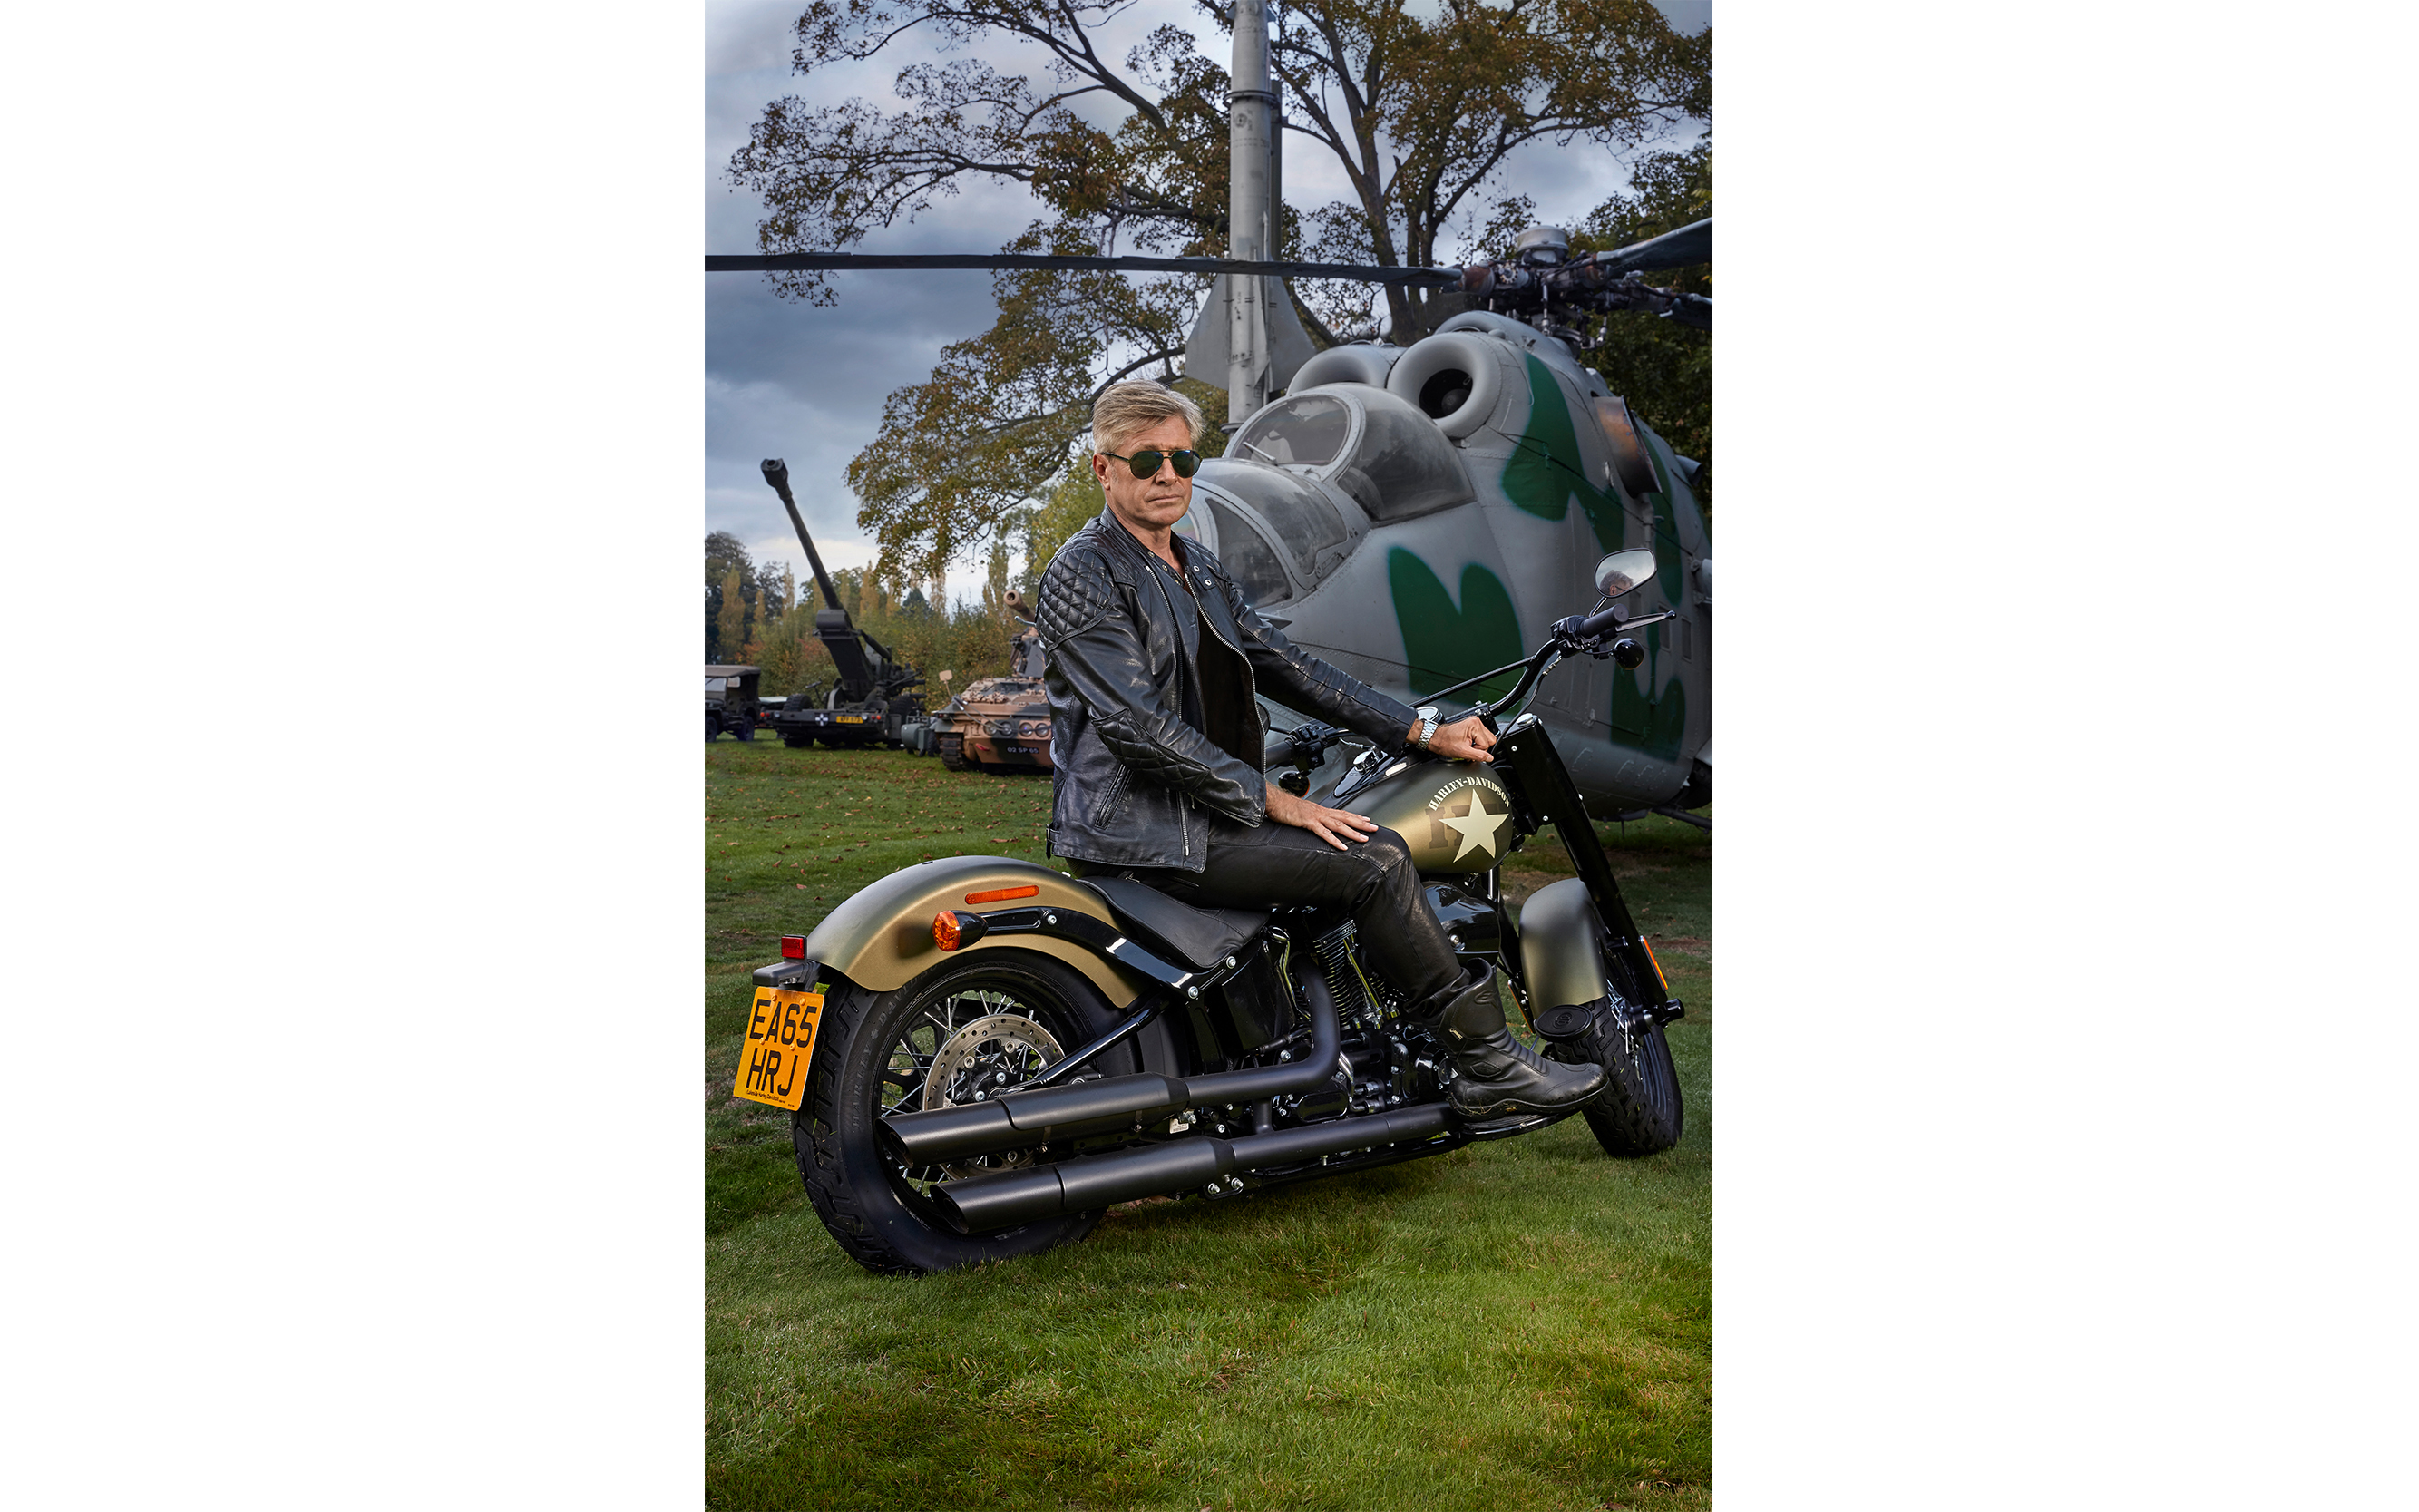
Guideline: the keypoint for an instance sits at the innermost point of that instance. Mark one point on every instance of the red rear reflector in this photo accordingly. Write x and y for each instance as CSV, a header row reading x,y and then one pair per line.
x,y
1001,895
1652,962
793,947
945,929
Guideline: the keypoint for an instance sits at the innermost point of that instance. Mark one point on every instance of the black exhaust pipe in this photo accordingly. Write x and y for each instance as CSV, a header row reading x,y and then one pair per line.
x,y
1017,1120
983,1203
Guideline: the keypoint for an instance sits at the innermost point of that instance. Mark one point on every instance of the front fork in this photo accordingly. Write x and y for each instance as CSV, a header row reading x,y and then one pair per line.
x,y
1542,786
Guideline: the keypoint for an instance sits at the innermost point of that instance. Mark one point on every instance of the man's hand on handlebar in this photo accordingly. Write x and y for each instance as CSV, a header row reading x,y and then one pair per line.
x,y
1333,826
1464,740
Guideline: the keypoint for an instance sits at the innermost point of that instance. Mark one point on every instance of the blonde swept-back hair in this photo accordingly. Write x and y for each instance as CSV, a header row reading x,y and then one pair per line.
x,y
1127,410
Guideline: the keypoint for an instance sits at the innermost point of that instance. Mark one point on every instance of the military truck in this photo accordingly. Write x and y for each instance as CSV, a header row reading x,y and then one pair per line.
x,y
730,701
870,701
1000,724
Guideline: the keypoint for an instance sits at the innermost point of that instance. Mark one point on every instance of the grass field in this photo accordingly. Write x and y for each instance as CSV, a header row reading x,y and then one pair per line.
x,y
1515,1325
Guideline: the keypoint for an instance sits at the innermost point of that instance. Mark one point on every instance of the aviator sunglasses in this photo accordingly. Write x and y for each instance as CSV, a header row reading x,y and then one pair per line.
x,y
1146,464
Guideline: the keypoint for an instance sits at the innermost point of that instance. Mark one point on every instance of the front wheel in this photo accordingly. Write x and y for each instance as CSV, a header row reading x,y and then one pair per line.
x,y
985,1023
1639,1112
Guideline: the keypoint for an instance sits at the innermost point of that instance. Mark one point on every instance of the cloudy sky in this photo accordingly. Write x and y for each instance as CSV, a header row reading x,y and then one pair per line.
x,y
785,379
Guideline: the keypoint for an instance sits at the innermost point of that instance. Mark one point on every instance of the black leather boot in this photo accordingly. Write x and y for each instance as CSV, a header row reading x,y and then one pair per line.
x,y
1493,1073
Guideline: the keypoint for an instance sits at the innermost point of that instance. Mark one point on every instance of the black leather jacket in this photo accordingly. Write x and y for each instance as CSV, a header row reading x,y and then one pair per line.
x,y
1135,770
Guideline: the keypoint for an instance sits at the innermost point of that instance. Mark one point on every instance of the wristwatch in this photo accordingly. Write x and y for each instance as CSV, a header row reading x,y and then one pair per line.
x,y
1426,715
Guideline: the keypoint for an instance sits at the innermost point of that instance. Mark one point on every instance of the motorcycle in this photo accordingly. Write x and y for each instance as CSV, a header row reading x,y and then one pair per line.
x,y
981,1055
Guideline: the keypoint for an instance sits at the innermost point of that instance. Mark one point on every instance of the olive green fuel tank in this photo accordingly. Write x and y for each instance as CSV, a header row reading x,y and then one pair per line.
x,y
1455,816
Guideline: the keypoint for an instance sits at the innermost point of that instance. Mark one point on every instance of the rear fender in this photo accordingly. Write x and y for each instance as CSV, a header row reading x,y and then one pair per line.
x,y
1559,951
882,938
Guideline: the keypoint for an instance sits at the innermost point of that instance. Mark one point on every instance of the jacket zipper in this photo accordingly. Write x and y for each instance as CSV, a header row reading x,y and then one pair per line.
x,y
1184,800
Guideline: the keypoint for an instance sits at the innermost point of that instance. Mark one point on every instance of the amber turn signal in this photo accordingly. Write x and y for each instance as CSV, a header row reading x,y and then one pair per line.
x,y
952,929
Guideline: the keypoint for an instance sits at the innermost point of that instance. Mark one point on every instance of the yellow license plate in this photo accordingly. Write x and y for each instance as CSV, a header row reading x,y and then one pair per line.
x,y
848,718
780,1039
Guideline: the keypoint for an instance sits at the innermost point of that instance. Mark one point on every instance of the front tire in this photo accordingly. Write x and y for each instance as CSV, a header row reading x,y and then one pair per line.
x,y
1639,1111
874,1054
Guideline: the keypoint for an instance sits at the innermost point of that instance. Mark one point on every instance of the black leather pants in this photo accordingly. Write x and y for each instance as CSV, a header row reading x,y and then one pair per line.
x,y
1278,864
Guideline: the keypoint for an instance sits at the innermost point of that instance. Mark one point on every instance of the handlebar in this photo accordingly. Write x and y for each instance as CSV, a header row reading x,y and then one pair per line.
x,y
1596,625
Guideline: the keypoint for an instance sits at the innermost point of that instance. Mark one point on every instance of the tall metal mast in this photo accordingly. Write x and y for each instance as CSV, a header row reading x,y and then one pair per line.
x,y
1250,226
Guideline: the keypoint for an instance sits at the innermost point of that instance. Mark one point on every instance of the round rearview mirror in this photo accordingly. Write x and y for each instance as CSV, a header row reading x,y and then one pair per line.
x,y
1623,571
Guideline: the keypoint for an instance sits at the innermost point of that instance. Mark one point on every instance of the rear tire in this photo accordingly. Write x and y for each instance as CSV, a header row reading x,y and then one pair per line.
x,y
713,727
872,1054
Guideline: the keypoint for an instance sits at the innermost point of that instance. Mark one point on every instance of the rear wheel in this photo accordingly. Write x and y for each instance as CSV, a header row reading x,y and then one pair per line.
x,y
986,1022
713,727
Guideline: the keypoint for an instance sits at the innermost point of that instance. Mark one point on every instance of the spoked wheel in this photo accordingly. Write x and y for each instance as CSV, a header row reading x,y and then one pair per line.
x,y
966,1030
1639,1111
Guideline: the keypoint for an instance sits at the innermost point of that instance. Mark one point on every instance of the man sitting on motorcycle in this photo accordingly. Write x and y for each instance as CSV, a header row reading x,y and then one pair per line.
x,y
1157,748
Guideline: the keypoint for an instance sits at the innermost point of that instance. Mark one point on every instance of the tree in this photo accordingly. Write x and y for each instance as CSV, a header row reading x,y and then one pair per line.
x,y
724,554
1421,106
730,625
769,591
1663,368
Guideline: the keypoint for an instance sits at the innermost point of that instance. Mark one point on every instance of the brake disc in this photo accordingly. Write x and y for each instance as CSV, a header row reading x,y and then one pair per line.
x,y
983,1059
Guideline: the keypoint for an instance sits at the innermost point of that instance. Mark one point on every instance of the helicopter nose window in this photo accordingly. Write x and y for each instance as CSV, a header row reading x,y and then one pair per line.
x,y
1247,557
1305,429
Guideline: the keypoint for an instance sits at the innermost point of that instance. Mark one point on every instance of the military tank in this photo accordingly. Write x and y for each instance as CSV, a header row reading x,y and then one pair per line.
x,y
1000,724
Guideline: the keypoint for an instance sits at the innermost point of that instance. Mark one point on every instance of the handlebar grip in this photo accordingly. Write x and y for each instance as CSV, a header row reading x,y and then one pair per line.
x,y
1597,624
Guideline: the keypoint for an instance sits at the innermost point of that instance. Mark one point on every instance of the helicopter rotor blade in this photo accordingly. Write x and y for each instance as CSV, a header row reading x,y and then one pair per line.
x,y
804,262
1684,248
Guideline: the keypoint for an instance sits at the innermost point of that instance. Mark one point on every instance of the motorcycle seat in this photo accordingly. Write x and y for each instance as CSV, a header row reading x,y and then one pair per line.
x,y
1195,938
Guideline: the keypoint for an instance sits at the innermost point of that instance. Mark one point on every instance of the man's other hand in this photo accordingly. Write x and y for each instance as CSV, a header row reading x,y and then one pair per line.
x,y
1333,826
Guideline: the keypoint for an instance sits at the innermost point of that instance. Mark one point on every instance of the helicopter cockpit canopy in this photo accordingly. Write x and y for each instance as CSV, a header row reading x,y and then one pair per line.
x,y
1377,447
1255,516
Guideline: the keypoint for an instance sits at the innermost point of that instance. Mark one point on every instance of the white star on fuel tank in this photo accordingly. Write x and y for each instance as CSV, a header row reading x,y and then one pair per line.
x,y
1477,827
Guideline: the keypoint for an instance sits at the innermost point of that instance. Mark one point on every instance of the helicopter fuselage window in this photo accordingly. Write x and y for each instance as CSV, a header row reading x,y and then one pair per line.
x,y
1305,429
1248,558
1303,519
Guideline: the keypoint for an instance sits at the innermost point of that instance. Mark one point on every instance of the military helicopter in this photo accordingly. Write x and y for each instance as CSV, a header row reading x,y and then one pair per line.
x,y
1418,514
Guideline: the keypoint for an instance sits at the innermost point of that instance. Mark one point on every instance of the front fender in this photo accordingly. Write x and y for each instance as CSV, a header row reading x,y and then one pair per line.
x,y
1558,951
882,937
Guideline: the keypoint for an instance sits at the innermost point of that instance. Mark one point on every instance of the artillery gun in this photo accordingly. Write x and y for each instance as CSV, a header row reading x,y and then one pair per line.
x,y
868,701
